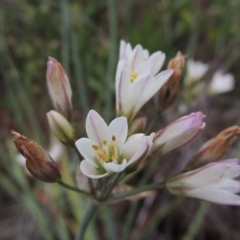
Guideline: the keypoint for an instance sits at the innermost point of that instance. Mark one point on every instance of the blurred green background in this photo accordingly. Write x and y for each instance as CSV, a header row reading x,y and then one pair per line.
x,y
84,36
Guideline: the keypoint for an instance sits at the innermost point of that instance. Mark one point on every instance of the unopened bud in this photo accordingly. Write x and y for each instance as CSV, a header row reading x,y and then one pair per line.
x,y
59,88
38,161
178,133
137,126
214,148
170,90
61,128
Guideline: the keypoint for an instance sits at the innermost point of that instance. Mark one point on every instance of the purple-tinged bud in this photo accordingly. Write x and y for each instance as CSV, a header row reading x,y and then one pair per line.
x,y
178,133
214,148
213,182
59,88
137,126
61,128
38,161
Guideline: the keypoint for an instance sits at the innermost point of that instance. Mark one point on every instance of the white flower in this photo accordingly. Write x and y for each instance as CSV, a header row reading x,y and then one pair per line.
x,y
178,133
213,182
137,78
107,149
221,83
195,70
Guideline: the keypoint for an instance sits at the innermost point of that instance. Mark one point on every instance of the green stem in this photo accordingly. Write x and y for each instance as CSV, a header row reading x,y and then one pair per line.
x,y
197,221
160,215
90,212
158,113
72,188
153,186
114,182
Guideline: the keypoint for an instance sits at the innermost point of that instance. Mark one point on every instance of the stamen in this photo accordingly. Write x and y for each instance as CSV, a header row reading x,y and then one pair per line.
x,y
95,147
133,76
103,156
105,142
113,138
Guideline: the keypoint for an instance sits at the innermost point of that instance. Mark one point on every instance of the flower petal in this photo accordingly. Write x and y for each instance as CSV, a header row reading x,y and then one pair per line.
x,y
119,128
123,89
90,170
115,167
215,195
157,59
85,147
97,129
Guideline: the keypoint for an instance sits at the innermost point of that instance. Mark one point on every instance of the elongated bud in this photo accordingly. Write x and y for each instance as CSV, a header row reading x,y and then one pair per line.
x,y
61,127
178,133
138,126
213,182
170,90
213,149
59,88
38,161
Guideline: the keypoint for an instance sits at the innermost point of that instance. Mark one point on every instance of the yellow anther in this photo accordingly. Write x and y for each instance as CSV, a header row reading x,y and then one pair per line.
x,y
105,142
113,138
133,76
112,148
95,147
103,156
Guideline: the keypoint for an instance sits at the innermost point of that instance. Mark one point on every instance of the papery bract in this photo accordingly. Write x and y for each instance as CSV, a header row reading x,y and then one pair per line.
x,y
177,133
107,149
137,78
213,182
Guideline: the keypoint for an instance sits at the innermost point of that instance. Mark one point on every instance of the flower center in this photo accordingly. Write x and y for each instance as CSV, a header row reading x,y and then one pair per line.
x,y
133,76
108,152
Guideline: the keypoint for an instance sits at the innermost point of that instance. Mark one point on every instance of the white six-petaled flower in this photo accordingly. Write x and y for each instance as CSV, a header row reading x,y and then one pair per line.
x,y
213,182
137,78
107,149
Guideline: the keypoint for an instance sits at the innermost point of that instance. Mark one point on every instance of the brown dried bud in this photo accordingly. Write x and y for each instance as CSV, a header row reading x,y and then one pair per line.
x,y
38,161
214,148
170,90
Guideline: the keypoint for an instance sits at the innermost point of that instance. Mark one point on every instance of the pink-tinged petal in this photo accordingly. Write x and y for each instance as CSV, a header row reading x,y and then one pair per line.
x,y
85,147
157,59
89,170
123,89
178,133
115,167
97,129
215,195
119,128
137,57
229,185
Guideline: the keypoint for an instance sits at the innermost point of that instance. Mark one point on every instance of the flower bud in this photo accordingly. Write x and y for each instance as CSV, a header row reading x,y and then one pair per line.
x,y
170,90
61,127
59,88
178,133
213,149
137,126
213,182
38,161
